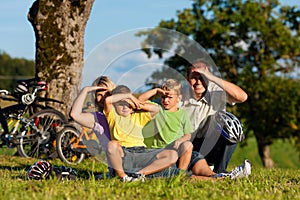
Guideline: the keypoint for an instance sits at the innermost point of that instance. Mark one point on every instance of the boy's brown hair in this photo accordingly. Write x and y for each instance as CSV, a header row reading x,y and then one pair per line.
x,y
121,89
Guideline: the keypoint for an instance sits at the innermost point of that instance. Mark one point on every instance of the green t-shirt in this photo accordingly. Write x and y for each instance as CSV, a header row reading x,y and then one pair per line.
x,y
166,127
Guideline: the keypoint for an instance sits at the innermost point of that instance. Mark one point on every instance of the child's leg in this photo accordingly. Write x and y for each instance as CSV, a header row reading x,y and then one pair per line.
x,y
185,154
115,154
201,168
165,159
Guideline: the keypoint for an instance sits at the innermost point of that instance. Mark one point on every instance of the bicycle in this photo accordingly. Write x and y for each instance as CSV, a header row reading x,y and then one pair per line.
x,y
32,134
75,143
25,95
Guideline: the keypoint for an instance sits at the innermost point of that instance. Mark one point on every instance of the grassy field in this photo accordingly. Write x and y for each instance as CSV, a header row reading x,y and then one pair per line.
x,y
283,154
283,182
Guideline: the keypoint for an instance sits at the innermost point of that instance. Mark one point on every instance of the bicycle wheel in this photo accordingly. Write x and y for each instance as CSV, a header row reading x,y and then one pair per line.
x,y
10,125
66,140
38,139
3,128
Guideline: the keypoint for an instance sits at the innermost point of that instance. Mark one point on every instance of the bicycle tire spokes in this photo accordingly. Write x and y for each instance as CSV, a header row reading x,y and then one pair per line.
x,y
68,146
40,142
30,144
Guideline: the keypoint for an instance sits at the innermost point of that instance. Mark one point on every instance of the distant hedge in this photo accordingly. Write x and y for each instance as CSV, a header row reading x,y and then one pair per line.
x,y
12,69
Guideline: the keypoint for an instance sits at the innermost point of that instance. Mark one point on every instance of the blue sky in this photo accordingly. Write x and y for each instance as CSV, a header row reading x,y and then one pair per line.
x,y
110,21
108,17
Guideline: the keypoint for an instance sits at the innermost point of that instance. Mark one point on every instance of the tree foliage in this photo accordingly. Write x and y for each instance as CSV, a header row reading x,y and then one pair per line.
x,y
255,44
13,69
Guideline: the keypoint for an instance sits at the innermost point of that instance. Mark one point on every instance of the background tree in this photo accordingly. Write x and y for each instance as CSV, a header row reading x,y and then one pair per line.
x,y
13,69
59,27
255,44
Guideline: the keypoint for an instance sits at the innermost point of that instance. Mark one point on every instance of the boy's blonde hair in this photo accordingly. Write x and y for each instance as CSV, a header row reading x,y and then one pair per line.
x,y
172,84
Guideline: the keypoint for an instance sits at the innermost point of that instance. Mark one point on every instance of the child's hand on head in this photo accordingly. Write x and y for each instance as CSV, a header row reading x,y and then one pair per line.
x,y
135,103
161,91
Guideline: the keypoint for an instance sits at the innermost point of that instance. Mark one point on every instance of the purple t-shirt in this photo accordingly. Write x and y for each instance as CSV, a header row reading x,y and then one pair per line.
x,y
101,129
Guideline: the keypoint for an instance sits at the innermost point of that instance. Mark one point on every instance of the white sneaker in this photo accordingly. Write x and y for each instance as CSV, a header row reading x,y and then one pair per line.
x,y
126,179
137,177
133,177
244,170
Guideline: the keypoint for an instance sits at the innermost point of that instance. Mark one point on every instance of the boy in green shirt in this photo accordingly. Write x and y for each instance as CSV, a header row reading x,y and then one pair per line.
x,y
171,128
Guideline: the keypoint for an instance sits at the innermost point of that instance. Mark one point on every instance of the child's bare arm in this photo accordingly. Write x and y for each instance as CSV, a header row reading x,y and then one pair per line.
x,y
150,93
184,138
132,100
150,107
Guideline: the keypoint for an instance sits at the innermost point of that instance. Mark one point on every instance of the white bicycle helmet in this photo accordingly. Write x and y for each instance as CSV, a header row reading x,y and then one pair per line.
x,y
39,170
230,127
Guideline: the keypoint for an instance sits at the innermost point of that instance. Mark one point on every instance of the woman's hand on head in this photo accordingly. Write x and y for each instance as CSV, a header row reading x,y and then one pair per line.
x,y
93,88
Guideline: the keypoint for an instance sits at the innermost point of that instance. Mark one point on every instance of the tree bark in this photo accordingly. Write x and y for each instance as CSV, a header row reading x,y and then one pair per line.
x,y
264,152
59,27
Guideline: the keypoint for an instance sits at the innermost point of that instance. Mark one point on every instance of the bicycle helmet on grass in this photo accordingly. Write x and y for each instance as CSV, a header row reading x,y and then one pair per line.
x,y
42,170
39,170
230,127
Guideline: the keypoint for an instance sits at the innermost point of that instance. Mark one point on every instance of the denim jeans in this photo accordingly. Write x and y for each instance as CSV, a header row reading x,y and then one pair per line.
x,y
220,155
166,173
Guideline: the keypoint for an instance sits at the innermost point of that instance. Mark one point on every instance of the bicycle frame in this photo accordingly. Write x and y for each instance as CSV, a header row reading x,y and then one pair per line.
x,y
74,143
84,134
17,125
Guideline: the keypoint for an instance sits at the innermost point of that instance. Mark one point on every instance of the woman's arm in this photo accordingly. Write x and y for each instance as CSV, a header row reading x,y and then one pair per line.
x,y
85,119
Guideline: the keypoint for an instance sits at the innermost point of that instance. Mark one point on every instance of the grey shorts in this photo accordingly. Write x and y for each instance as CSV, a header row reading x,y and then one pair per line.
x,y
174,171
136,158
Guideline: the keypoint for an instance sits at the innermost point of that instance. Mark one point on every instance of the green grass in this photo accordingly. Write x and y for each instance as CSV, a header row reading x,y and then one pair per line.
x,y
283,154
282,182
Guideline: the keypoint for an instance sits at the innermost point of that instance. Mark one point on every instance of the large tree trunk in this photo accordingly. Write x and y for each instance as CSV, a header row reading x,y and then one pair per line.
x,y
59,27
264,152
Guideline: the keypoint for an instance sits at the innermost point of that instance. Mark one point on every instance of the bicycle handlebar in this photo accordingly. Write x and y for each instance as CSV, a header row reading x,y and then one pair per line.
x,y
22,93
32,83
5,92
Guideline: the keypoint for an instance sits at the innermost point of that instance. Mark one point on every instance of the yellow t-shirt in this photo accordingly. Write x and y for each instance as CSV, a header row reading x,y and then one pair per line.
x,y
128,130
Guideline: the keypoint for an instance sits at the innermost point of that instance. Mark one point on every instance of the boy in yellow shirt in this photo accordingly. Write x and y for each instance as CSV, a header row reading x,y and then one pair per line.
x,y
127,153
